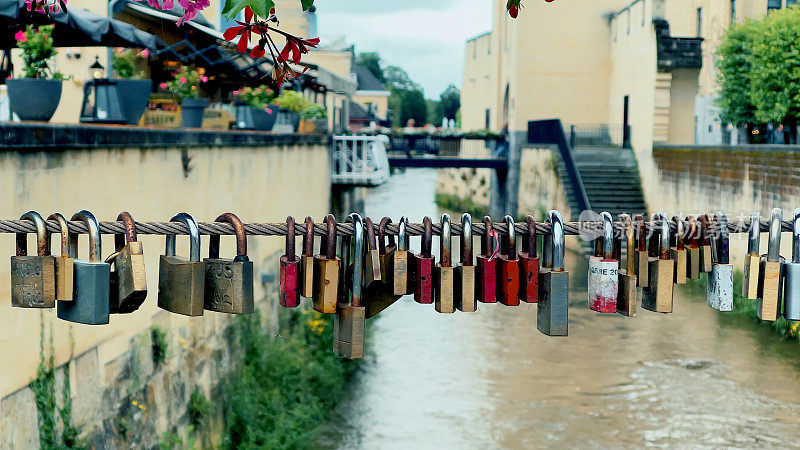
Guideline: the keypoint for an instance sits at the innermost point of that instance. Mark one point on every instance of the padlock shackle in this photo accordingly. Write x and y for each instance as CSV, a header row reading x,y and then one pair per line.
x,y
796,237
466,240
95,250
487,249
356,251
130,231
754,237
680,232
64,231
427,237
382,236
627,231
554,253
402,237
445,242
241,237
369,229
694,232
509,240
308,237
42,247
194,236
775,228
290,239
641,235
704,232
529,243
723,241
328,242
663,250
608,235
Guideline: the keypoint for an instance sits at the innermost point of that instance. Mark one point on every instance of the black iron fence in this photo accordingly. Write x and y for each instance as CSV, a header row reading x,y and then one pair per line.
x,y
600,135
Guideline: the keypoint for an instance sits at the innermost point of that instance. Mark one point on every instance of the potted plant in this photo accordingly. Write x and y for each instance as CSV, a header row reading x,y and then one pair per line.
x,y
36,95
292,104
185,86
133,89
312,119
253,108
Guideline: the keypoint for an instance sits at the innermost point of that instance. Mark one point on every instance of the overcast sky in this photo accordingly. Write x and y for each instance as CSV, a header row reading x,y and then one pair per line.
x,y
425,37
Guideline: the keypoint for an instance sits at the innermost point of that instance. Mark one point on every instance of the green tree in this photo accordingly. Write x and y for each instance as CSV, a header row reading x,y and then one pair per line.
x,y
399,79
372,61
414,107
734,68
450,101
434,112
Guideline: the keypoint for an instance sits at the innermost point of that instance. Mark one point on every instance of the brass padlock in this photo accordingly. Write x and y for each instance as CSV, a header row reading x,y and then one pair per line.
x,y
128,288
65,264
657,296
465,298
33,283
678,252
229,282
720,281
693,252
350,322
628,293
552,313
181,281
372,259
326,271
306,280
642,256
752,263
444,273
769,295
705,245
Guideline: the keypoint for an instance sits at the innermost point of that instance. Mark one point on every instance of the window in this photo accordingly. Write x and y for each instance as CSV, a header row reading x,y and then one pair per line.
x,y
733,12
488,118
790,3
774,4
699,22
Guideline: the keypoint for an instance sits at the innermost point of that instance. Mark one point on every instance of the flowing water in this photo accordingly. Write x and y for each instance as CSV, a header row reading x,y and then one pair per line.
x,y
695,378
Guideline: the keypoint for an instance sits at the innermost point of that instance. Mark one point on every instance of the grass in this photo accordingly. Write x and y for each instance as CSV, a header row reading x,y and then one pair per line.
x,y
454,203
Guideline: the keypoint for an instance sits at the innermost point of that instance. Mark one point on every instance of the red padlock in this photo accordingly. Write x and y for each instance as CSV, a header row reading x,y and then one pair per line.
x,y
508,266
529,265
486,268
290,265
423,267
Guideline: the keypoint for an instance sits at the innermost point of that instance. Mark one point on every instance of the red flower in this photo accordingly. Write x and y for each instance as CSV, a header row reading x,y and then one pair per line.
x,y
257,52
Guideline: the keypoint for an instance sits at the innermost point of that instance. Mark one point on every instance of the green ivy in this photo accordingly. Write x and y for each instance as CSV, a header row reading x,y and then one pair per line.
x,y
199,407
160,346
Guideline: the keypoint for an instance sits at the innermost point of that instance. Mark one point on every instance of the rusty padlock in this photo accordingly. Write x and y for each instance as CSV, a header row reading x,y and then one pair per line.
x,y
641,255
372,259
306,275
181,281
350,323
603,276
769,295
326,271
705,244
423,267
128,288
529,265
444,273
65,269
552,313
628,293
289,268
678,252
657,296
508,266
33,282
386,252
693,252
486,270
720,281
229,282
465,298
752,263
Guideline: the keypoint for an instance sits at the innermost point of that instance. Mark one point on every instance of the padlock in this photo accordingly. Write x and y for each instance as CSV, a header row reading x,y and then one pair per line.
x,y
642,256
693,252
705,244
508,266
350,322
229,282
306,275
465,298
65,265
326,271
444,273
752,263
657,296
791,275
552,315
386,252
33,282
290,266
422,264
486,269
128,289
628,293
678,252
399,261
529,265
90,303
372,260
603,277
181,281
720,281
769,306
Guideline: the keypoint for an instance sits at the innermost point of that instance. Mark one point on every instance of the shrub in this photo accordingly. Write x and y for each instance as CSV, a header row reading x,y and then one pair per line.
x,y
37,48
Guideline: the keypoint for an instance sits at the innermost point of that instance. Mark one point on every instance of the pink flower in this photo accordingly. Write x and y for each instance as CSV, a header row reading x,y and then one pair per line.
x,y
183,80
204,79
163,86
20,36
268,110
144,53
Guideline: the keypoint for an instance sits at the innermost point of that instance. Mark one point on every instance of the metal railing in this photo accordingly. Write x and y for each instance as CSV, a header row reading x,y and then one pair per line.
x,y
359,160
600,135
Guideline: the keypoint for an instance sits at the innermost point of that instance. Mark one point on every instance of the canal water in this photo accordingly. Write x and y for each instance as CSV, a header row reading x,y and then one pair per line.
x,y
695,378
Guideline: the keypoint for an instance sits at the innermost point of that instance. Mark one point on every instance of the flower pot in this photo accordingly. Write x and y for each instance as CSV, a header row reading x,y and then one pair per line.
x,y
264,120
288,120
307,126
134,95
192,112
34,98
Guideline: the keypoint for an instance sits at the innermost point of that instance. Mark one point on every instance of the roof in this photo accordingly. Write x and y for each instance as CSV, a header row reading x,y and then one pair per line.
x,y
358,113
366,80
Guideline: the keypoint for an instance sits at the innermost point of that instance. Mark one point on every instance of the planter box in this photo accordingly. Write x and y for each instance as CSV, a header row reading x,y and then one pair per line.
x,y
192,112
134,95
34,98
249,118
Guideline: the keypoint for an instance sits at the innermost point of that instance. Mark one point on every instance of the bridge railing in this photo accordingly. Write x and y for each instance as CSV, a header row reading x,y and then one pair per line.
x,y
359,160
451,146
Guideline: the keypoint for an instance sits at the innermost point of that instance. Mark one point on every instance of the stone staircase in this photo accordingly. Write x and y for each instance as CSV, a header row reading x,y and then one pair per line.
x,y
611,180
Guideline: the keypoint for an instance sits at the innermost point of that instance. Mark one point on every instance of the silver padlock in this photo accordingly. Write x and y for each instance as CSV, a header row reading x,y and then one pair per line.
x,y
90,303
791,275
752,264
603,282
719,289
552,314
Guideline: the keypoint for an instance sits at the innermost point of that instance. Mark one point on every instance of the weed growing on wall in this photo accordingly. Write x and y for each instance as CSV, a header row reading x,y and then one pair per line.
x,y
160,345
199,408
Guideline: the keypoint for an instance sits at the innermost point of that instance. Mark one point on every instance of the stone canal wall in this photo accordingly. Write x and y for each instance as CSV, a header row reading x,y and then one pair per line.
x,y
135,376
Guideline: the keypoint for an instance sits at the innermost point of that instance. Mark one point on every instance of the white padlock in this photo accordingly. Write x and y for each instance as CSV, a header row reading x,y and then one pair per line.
x,y
603,282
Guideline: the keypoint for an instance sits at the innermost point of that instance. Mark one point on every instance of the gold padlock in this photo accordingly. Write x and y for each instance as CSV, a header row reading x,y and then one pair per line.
x,y
465,298
306,280
350,323
693,252
326,271
628,293
678,253
399,261
657,296
181,281
444,273
33,282
128,280
706,263
752,263
642,256
372,260
229,282
769,306
65,264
